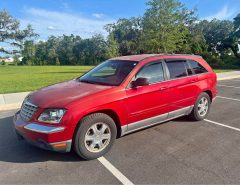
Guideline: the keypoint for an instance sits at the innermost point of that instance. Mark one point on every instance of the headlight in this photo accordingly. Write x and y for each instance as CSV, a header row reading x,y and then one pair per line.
x,y
52,115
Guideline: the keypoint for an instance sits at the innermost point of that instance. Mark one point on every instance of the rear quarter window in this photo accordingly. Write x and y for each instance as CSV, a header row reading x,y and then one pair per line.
x,y
197,67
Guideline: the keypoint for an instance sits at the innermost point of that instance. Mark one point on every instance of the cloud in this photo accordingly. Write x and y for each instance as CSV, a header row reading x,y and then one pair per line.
x,y
98,15
56,23
224,13
51,28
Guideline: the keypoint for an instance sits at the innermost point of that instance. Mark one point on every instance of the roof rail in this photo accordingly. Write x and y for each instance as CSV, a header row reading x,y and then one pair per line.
x,y
171,54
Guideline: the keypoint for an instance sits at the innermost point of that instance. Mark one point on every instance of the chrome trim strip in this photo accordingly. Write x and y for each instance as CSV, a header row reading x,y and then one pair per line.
x,y
183,111
43,129
27,110
147,122
28,103
190,110
132,127
124,129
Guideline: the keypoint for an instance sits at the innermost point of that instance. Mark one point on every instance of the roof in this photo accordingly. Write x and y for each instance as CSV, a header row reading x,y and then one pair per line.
x,y
145,56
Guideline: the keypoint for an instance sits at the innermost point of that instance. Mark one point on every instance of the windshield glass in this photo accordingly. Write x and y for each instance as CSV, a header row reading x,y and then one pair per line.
x,y
110,72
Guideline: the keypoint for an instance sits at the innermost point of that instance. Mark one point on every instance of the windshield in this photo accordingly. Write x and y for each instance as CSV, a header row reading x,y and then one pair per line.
x,y
110,72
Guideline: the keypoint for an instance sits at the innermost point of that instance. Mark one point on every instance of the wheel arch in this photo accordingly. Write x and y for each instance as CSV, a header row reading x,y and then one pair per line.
x,y
115,118
210,94
111,113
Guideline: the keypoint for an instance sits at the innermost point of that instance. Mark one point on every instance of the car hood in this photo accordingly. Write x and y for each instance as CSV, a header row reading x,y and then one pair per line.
x,y
61,94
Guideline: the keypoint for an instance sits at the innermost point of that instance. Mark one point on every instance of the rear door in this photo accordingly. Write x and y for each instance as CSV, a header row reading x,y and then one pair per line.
x,y
205,80
182,84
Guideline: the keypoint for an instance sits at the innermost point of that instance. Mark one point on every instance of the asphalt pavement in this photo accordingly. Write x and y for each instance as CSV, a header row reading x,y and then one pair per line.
x,y
176,152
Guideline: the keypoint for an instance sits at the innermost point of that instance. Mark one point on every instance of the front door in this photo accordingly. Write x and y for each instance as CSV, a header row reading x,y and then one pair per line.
x,y
148,104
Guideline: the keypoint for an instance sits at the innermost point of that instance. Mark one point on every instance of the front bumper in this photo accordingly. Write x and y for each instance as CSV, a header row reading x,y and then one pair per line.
x,y
42,136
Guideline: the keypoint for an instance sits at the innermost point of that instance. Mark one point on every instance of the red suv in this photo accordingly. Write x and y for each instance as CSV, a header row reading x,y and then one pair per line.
x,y
119,96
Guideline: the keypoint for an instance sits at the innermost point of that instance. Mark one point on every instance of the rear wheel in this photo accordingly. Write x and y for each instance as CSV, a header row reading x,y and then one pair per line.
x,y
95,136
201,107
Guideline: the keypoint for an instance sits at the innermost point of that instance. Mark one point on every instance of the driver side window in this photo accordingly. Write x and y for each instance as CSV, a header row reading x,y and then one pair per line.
x,y
153,72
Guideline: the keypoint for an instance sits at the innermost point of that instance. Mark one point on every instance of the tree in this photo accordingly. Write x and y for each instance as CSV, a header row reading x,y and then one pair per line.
x,y
11,34
233,41
28,52
126,32
215,33
16,60
51,50
3,63
112,47
57,62
91,51
196,42
165,26
65,50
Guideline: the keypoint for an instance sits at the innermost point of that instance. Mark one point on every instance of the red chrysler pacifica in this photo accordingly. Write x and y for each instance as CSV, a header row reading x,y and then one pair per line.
x,y
119,96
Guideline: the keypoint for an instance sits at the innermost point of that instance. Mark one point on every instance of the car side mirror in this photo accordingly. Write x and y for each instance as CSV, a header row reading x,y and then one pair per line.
x,y
139,82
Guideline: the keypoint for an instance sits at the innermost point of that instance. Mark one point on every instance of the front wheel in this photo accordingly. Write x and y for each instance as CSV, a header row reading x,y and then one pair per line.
x,y
95,136
201,107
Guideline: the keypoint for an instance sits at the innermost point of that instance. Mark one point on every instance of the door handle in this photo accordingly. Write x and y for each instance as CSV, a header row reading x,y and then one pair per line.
x,y
163,88
193,80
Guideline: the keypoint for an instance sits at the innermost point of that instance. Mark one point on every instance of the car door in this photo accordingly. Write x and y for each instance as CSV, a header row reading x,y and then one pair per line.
x,y
182,85
149,102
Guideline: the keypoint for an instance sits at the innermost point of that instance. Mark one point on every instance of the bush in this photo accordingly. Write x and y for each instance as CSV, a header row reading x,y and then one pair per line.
x,y
3,63
222,61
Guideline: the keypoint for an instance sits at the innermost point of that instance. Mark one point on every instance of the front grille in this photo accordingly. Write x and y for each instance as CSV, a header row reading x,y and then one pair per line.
x,y
27,110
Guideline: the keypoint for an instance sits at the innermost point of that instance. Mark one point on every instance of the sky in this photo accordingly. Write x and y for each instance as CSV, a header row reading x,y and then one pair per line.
x,y
88,17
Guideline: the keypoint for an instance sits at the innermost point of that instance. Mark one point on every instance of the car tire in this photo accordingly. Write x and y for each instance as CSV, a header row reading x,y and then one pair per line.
x,y
94,136
201,107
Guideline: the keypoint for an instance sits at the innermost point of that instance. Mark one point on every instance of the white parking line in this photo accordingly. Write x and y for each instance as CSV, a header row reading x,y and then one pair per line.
x,y
220,124
115,171
228,86
228,98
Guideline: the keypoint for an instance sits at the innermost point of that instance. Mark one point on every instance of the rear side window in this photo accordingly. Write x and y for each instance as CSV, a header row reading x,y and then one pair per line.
x,y
197,68
153,72
177,69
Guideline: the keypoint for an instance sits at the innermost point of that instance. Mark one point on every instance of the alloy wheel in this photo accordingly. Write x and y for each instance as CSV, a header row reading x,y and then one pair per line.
x,y
203,106
97,137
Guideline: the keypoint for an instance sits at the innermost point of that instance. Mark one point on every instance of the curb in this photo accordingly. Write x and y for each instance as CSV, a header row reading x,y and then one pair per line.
x,y
12,100
228,78
12,106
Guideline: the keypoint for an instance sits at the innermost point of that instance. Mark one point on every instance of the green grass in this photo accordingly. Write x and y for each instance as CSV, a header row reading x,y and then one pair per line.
x,y
28,78
223,70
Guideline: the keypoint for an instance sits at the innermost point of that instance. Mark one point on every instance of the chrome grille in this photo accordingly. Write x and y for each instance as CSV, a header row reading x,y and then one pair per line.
x,y
27,110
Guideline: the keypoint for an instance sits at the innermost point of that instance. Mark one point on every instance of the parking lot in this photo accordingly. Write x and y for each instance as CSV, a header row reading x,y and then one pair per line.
x,y
178,151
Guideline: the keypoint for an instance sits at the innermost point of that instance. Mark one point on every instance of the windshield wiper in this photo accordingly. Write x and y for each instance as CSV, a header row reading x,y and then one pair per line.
x,y
87,81
94,82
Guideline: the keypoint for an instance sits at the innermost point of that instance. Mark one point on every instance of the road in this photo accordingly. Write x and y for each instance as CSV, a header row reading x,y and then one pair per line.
x,y
175,152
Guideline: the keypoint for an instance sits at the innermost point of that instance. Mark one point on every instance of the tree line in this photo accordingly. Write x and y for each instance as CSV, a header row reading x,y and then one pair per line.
x,y
166,26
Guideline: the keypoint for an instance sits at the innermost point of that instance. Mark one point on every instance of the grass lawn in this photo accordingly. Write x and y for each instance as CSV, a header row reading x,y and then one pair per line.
x,y
223,70
28,78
